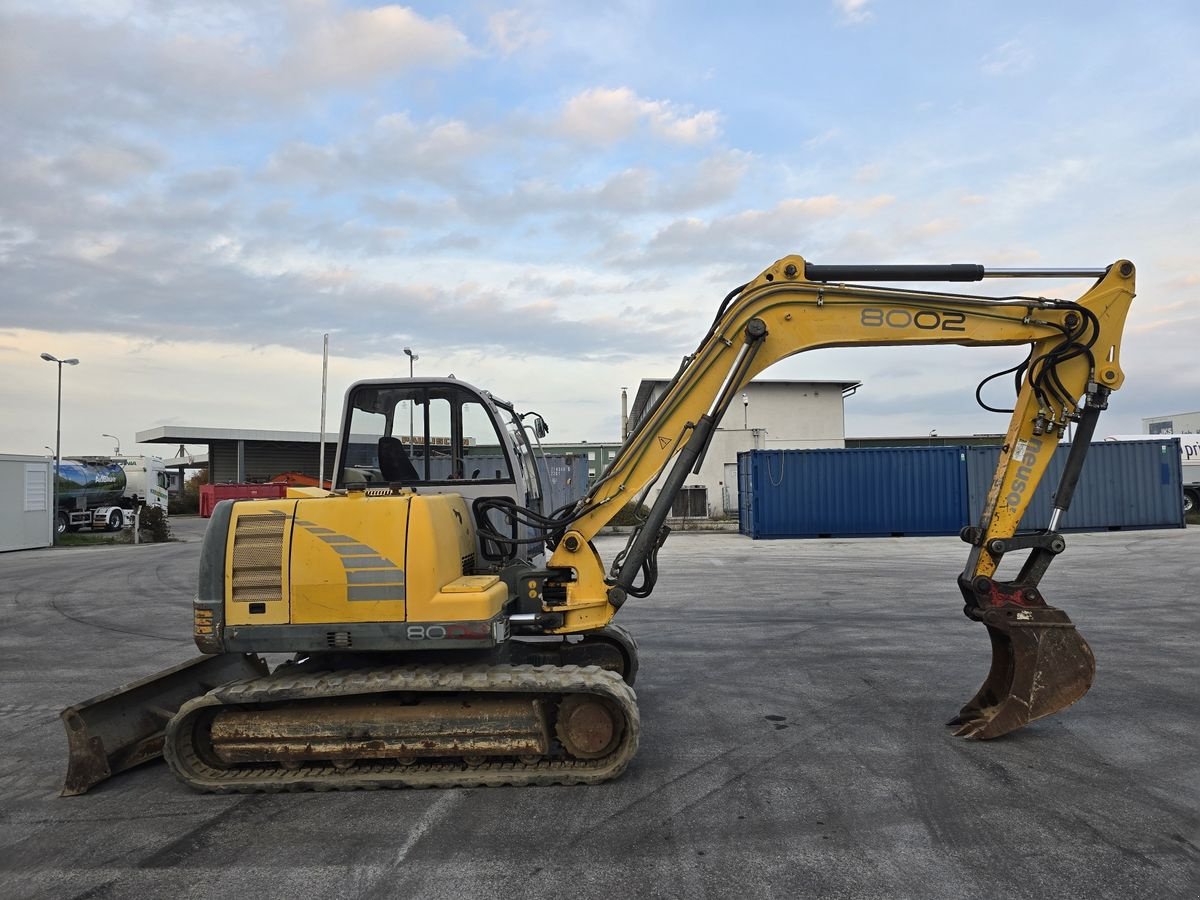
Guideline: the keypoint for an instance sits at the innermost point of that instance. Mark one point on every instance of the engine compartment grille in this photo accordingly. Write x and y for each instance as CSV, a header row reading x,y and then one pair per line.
x,y
258,557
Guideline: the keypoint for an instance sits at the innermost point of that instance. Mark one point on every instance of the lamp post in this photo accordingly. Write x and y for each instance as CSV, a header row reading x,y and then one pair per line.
x,y
116,452
57,436
412,358
745,411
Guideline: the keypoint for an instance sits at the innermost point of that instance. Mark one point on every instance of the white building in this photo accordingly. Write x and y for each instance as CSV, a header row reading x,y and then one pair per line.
x,y
1179,423
768,414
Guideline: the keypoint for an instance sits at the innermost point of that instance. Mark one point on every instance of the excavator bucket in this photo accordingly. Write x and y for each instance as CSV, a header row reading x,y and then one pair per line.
x,y
1040,665
124,728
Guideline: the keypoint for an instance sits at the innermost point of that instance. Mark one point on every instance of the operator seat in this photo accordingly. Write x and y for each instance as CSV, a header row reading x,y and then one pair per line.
x,y
394,463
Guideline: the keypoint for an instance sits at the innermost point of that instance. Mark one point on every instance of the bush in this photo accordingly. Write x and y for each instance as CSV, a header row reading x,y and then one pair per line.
x,y
186,505
633,514
155,526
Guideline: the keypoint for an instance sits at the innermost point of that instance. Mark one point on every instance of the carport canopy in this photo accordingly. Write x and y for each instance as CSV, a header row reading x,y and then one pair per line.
x,y
249,454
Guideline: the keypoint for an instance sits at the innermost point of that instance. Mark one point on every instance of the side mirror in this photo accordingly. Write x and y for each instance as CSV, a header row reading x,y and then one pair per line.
x,y
540,428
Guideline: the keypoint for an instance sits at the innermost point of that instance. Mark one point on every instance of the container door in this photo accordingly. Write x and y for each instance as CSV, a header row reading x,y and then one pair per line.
x,y
729,488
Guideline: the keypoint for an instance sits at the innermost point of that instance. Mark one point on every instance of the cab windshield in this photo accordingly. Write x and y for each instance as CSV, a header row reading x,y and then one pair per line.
x,y
422,434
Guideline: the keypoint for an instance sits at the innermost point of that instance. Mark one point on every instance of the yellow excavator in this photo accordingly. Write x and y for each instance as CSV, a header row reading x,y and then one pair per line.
x,y
445,628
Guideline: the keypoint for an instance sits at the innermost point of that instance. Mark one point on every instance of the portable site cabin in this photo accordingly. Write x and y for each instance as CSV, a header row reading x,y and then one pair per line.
x,y
25,515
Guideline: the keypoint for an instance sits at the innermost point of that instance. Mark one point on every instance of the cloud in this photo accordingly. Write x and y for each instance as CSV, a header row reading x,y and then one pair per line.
x,y
609,115
825,137
238,173
750,234
182,62
514,30
854,12
676,189
394,149
1010,58
468,201
356,46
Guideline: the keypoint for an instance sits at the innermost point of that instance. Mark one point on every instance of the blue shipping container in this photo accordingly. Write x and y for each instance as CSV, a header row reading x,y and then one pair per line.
x,y
852,493
1124,484
564,478
938,490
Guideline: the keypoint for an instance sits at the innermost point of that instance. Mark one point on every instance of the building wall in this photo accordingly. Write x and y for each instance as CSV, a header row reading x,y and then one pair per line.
x,y
1181,423
718,472
778,415
598,455
794,415
25,515
264,460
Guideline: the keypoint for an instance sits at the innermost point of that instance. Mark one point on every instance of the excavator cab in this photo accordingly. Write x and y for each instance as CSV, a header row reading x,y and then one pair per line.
x,y
440,436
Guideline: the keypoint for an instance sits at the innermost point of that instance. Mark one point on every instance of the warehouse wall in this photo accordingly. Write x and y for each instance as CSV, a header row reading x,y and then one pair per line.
x,y
265,459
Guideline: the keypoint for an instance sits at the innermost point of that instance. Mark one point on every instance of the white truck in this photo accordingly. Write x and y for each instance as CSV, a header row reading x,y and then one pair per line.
x,y
146,481
1189,458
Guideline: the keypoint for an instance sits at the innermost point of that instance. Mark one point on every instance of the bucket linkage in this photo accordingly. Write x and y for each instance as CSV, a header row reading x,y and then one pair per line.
x,y
1040,662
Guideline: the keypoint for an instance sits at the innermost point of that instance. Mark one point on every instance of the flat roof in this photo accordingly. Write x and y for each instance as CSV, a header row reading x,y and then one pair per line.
x,y
191,434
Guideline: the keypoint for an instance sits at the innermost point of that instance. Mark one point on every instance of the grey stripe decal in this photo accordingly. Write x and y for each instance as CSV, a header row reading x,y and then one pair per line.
x,y
352,549
368,562
395,592
376,576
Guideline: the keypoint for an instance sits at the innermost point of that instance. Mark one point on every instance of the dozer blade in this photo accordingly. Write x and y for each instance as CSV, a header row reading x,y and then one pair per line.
x,y
1040,665
124,728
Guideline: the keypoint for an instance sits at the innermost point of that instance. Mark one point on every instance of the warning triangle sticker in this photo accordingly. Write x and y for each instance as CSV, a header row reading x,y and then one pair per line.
x,y
663,442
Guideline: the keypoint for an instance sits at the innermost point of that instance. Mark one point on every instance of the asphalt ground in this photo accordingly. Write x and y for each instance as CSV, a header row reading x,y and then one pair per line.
x,y
792,695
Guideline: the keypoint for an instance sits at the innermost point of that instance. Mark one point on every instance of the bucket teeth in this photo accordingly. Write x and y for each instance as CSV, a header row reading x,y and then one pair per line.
x,y
1040,666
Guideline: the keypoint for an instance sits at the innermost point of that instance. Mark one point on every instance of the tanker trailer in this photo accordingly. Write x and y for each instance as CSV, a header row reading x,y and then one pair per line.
x,y
90,494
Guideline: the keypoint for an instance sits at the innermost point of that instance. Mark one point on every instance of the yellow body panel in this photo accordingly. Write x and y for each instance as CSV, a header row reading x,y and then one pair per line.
x,y
348,559
470,598
354,558
304,493
440,537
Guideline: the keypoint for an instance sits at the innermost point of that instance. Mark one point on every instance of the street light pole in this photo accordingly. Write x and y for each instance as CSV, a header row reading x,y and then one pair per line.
x,y
57,437
115,438
412,358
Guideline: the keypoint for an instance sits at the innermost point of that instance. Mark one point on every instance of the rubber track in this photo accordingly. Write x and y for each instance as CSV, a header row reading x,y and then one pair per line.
x,y
181,755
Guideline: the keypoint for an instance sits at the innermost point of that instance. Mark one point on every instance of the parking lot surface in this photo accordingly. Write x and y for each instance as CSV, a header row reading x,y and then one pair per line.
x,y
791,693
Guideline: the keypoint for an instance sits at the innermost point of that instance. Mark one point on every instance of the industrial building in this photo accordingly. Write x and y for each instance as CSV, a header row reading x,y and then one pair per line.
x,y
249,454
258,455
769,414
1179,423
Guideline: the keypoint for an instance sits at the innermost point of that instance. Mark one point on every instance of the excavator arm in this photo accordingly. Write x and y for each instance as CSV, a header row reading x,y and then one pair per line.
x,y
1040,664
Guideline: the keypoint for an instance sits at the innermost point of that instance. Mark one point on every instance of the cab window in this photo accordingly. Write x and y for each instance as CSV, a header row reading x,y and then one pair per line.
x,y
425,434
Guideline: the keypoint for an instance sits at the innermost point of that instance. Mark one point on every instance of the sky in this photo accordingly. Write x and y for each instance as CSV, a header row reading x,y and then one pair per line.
x,y
550,199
